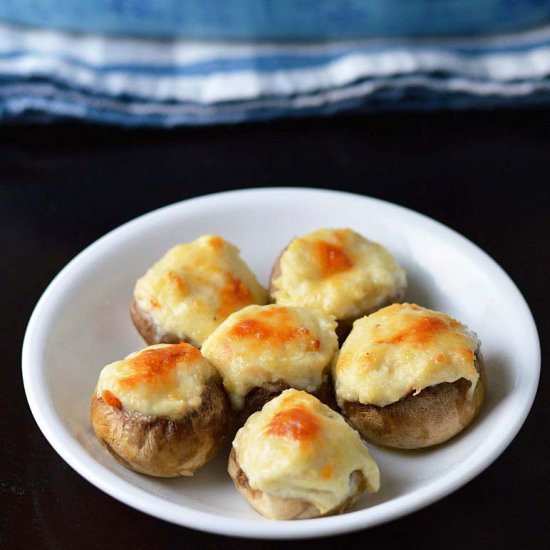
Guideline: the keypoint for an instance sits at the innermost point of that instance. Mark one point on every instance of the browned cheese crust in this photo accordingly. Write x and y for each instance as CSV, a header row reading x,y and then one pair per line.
x,y
161,446
151,333
433,416
275,507
255,399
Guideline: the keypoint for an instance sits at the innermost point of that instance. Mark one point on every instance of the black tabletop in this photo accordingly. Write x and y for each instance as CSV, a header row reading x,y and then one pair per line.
x,y
483,174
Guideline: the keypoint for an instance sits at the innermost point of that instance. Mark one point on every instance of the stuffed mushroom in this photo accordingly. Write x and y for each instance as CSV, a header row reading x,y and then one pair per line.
x,y
299,459
191,290
262,350
338,272
408,377
161,411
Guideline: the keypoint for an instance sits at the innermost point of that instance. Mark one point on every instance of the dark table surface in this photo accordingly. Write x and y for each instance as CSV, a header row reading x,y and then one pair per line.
x,y
483,174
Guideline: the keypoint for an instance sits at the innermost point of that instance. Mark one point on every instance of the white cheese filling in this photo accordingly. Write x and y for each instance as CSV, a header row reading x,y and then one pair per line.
x,y
160,381
260,345
195,286
338,271
400,349
296,447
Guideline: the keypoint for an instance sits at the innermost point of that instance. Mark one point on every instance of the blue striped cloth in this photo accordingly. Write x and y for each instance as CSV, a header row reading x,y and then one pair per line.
x,y
48,75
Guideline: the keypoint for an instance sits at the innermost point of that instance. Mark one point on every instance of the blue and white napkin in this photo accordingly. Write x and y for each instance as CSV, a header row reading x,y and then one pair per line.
x,y
47,75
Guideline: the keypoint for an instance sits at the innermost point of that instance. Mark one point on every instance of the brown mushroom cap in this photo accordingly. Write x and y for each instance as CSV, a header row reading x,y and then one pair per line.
x,y
431,417
258,397
161,446
276,507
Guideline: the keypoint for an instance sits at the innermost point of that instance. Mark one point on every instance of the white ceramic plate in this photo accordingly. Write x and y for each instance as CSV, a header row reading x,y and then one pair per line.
x,y
81,323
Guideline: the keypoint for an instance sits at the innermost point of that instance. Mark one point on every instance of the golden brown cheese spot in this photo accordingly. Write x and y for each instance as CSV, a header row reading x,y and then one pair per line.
x,y
420,332
156,366
111,399
331,258
251,328
274,326
296,423
315,344
326,472
234,295
177,283
154,303
217,243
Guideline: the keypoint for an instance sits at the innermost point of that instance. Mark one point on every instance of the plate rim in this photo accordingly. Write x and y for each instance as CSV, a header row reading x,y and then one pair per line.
x,y
133,496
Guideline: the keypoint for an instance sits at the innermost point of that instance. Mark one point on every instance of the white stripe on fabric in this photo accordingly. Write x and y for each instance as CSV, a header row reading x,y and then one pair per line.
x,y
246,85
30,95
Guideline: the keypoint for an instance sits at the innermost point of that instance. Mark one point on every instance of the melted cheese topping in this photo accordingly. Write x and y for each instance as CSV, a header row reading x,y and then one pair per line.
x,y
259,345
337,271
162,380
195,286
296,447
403,348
